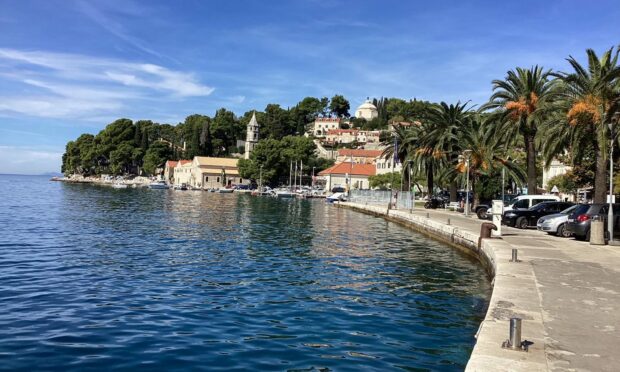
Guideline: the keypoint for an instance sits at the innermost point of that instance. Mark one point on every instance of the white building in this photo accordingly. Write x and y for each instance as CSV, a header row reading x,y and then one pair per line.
x,y
556,168
348,175
387,165
336,136
323,125
366,111
251,137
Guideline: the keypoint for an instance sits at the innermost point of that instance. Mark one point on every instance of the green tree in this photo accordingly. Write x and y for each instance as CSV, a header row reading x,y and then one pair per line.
x,y
156,156
591,96
521,102
339,106
385,181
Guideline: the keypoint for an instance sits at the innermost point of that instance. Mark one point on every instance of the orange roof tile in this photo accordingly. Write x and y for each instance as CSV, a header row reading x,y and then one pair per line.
x,y
352,169
171,163
360,153
183,162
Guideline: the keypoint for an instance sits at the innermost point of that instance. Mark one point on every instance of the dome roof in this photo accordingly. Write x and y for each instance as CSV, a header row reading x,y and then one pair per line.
x,y
367,105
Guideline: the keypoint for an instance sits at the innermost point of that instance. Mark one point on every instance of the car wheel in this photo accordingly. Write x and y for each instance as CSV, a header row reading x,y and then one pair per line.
x,y
521,223
587,238
482,213
563,232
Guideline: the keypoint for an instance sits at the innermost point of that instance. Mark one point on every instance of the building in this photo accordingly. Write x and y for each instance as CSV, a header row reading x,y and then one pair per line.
x,y
348,175
323,125
358,156
205,172
343,136
251,137
183,172
169,171
403,124
556,168
366,111
387,165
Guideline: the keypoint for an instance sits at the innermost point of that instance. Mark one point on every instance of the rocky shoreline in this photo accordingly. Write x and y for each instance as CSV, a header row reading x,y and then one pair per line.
x,y
105,180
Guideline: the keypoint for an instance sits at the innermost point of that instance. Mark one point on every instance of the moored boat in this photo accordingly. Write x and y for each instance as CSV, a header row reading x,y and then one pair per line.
x,y
158,185
119,185
224,190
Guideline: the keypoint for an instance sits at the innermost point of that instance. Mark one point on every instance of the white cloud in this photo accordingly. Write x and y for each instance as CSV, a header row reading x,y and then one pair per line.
x,y
78,86
26,160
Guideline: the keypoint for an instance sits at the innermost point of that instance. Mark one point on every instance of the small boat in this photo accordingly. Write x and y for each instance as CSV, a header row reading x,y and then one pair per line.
x,y
181,187
224,190
158,185
119,185
338,196
212,190
285,194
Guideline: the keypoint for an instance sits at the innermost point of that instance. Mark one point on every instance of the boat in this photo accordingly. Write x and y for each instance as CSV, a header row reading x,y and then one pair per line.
x,y
182,187
337,196
158,185
284,194
224,190
119,185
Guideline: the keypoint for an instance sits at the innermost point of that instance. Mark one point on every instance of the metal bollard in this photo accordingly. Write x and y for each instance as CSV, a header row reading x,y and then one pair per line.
x,y
428,215
448,221
515,333
515,257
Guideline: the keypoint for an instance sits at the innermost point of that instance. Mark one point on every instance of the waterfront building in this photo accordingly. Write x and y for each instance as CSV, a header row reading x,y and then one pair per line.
x,y
204,172
323,125
182,172
351,175
359,156
366,110
251,137
169,171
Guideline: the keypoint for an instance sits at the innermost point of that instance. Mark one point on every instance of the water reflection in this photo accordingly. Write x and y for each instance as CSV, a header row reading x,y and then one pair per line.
x,y
92,276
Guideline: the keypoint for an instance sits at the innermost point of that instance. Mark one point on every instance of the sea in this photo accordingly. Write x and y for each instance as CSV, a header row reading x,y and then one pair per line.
x,y
96,278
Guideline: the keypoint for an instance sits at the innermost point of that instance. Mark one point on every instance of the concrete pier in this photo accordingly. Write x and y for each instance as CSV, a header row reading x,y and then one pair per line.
x,y
566,293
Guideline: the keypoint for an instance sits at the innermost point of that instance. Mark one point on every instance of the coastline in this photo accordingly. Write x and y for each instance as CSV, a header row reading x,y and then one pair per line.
x,y
135,182
554,283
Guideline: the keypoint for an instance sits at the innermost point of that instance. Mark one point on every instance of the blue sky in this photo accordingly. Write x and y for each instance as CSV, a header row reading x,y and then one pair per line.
x,y
71,66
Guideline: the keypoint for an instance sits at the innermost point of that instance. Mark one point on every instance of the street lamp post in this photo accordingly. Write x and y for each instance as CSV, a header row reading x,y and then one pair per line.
x,y
313,178
260,180
610,213
410,189
467,154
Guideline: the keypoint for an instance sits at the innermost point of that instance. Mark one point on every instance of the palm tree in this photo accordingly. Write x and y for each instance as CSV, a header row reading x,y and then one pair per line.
x,y
591,96
488,154
522,101
443,134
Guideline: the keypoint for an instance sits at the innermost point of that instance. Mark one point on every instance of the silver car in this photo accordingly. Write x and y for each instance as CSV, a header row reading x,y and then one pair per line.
x,y
555,223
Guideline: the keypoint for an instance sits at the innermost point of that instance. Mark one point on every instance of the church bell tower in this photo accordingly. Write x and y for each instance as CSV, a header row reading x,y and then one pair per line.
x,y
251,137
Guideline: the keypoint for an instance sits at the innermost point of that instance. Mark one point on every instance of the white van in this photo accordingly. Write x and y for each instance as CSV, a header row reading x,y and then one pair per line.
x,y
528,201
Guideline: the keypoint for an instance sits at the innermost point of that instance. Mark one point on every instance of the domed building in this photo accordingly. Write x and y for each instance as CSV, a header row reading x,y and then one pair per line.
x,y
366,111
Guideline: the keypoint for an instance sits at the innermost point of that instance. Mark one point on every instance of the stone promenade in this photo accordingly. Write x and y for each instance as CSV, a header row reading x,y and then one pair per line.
x,y
567,293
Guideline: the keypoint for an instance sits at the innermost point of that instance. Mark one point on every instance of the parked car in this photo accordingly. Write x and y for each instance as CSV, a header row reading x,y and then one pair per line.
x,y
528,201
522,218
435,202
556,223
580,219
482,209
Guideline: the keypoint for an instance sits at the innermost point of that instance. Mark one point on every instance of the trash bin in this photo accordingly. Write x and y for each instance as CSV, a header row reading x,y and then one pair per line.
x,y
597,231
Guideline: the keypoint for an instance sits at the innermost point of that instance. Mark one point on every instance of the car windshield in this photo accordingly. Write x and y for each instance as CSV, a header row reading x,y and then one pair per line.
x,y
569,209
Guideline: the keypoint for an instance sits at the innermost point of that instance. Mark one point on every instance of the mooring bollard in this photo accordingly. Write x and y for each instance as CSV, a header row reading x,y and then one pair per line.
x,y
448,221
515,254
428,215
515,333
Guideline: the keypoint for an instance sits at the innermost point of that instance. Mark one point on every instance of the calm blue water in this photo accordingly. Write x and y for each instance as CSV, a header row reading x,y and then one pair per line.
x,y
97,278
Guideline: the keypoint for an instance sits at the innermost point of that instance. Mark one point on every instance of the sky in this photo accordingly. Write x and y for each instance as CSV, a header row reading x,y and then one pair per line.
x,y
69,67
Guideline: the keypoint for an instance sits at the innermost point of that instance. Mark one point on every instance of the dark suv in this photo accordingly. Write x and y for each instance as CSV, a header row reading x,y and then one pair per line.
x,y
581,217
522,218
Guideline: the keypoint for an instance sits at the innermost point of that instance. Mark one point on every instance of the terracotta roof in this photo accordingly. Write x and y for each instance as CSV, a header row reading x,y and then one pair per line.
x,y
171,163
360,153
354,170
216,162
183,162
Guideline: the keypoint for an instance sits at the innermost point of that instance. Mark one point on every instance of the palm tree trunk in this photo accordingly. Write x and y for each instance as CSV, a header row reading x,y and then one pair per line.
x,y
429,180
453,190
476,200
530,150
600,177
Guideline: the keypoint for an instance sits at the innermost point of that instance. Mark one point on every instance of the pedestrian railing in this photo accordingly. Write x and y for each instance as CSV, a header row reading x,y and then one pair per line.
x,y
381,197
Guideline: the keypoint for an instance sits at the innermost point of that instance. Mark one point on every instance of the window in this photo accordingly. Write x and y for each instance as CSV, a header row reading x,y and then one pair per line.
x,y
218,179
523,203
207,179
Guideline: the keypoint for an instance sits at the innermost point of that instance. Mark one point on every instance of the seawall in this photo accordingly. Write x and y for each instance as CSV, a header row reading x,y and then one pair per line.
x,y
515,292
